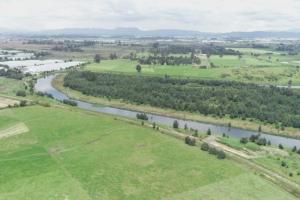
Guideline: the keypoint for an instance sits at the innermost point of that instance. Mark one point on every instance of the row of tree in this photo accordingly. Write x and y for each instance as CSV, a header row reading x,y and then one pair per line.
x,y
279,106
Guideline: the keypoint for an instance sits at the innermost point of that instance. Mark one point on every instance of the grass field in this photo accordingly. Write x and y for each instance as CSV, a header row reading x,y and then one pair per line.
x,y
236,144
246,69
10,86
91,156
274,162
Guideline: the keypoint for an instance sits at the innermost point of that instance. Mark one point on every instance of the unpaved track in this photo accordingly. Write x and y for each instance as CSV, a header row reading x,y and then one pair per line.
x,y
14,130
5,102
212,141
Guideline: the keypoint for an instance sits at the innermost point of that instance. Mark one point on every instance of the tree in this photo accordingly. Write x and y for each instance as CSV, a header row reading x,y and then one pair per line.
x,y
97,58
208,132
138,68
175,124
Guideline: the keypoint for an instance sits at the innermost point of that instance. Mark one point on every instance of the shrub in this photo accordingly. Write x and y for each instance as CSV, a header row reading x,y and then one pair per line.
x,y
244,140
190,141
142,116
70,102
23,103
261,142
213,151
208,132
204,147
294,149
153,125
221,155
45,104
280,146
175,124
253,138
283,164
21,93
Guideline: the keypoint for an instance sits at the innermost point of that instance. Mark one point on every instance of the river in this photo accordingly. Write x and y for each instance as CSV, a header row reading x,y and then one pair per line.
x,y
45,85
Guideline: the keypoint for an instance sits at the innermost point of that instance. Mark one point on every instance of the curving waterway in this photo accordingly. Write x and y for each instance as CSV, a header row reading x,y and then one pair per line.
x,y
45,85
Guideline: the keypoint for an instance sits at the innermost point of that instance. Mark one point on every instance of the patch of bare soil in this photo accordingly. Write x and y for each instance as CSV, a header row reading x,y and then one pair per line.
x,y
5,102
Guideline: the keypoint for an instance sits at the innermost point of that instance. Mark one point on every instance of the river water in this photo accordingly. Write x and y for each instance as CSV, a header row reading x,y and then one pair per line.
x,y
45,85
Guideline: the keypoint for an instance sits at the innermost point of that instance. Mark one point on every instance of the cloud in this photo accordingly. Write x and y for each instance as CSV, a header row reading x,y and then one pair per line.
x,y
202,15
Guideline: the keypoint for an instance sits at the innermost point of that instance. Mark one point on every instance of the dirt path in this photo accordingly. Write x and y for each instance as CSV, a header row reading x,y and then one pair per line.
x,y
5,102
245,154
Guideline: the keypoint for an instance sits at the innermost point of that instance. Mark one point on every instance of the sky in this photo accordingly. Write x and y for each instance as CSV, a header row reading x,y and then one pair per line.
x,y
200,15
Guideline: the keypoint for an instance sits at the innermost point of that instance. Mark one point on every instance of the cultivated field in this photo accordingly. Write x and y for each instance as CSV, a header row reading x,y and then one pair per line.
x,y
91,156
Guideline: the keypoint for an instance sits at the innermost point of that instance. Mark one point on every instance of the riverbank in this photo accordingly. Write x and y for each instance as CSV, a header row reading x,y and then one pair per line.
x,y
237,123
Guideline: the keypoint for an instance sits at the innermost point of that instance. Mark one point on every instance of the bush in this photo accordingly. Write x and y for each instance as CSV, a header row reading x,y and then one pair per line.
x,y
204,147
142,116
175,124
208,132
45,104
283,164
253,138
213,151
244,140
190,141
70,102
294,149
21,93
221,155
261,142
23,103
280,146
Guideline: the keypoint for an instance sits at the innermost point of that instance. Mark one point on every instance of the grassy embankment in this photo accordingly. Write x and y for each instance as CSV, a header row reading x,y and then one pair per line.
x,y
95,156
244,124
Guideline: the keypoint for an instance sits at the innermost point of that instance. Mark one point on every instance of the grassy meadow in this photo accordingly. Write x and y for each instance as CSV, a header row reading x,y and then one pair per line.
x,y
10,86
94,156
265,69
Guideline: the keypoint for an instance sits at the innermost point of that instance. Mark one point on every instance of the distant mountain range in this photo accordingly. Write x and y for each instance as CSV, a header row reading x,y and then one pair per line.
x,y
96,32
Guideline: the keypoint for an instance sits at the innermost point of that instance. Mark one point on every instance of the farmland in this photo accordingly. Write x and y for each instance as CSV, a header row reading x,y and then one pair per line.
x,y
96,156
246,69
108,158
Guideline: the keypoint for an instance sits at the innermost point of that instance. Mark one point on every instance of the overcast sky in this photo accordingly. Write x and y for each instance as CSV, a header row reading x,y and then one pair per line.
x,y
201,15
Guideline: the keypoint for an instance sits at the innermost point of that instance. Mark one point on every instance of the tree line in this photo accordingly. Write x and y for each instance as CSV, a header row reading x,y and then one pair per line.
x,y
273,105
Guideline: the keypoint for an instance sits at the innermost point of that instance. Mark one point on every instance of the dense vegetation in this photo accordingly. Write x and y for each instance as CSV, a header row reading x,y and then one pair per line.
x,y
12,73
219,98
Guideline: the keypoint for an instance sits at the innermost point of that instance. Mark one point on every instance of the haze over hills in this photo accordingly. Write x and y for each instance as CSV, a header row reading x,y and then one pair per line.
x,y
95,32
